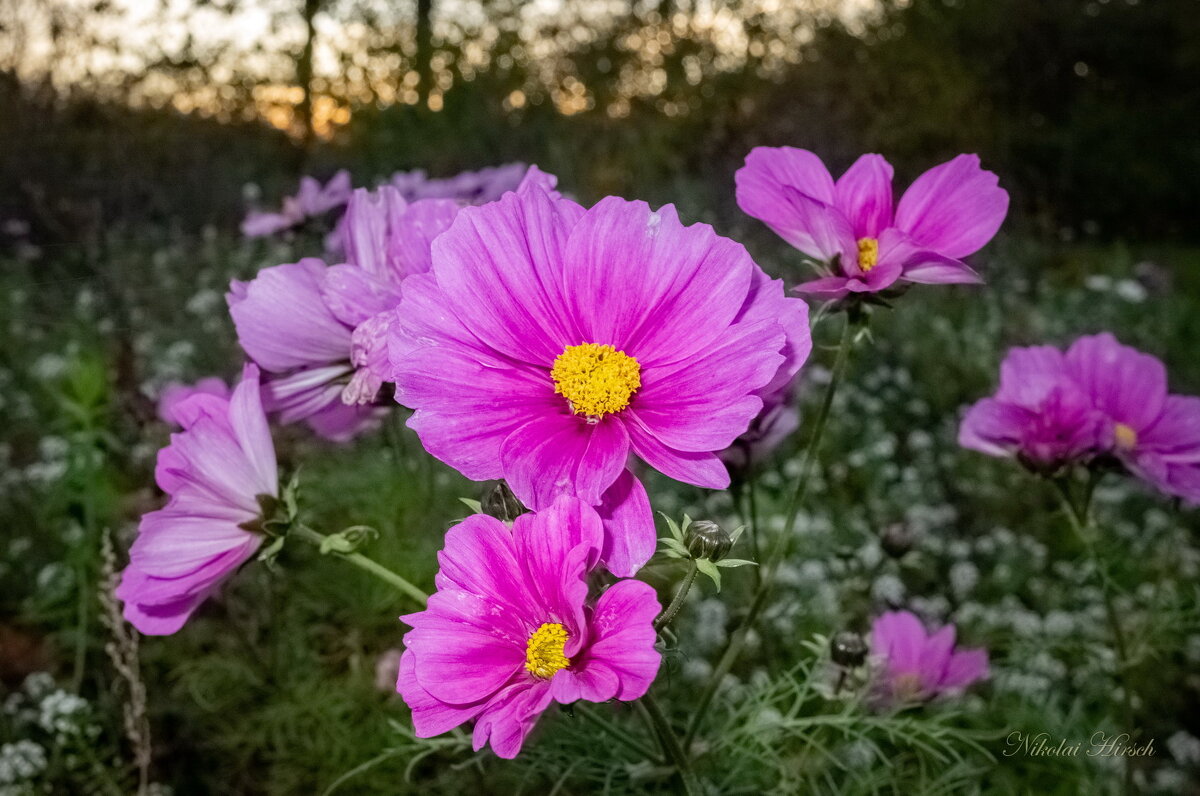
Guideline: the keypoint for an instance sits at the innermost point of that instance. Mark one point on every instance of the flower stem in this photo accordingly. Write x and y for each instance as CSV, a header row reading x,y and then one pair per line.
x,y
362,562
1081,523
670,745
775,555
665,618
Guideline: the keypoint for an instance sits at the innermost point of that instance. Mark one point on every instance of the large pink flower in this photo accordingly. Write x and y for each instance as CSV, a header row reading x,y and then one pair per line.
x,y
218,471
918,665
853,228
549,342
510,628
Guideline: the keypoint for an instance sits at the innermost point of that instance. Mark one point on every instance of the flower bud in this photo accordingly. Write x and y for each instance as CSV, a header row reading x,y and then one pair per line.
x,y
705,539
897,539
848,649
502,504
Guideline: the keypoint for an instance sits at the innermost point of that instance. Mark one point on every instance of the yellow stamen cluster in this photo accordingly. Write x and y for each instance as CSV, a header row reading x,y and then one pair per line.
x,y
596,380
868,253
907,686
544,653
1125,437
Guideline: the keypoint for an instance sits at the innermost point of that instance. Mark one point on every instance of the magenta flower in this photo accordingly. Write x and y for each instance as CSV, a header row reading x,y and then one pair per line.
x,y
1100,398
175,393
219,471
1039,414
312,200
917,666
285,326
1154,434
853,228
547,343
510,629
470,187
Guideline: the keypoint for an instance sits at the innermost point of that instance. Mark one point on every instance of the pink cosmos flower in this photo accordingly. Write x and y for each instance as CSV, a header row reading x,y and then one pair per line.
x,y
176,393
320,331
916,665
549,342
510,628
1154,434
312,200
468,187
854,229
219,472
1100,397
1039,414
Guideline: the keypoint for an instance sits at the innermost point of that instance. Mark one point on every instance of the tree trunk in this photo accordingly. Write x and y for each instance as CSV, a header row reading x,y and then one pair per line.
x,y
304,76
425,48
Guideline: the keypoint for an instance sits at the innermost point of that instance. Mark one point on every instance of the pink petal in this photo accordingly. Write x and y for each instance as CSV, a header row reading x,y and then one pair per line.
x,y
864,195
629,535
953,209
965,668
282,321
1127,385
505,262
701,469
705,403
430,716
638,279
900,637
464,656
563,454
510,718
623,639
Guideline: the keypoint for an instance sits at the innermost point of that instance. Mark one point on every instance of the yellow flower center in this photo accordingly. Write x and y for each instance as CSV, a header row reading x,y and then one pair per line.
x,y
907,686
596,380
544,653
1125,437
868,253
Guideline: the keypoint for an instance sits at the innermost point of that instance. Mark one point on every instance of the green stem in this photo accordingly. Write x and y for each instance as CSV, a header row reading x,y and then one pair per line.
x,y
670,745
677,602
775,557
615,732
1081,523
364,563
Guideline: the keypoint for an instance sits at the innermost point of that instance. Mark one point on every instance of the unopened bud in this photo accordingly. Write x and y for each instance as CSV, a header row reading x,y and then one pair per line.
x,y
502,504
848,649
897,539
706,539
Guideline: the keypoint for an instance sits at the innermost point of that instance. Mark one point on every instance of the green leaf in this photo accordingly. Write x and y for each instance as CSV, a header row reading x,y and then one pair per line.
x,y
474,505
349,540
736,562
673,527
733,537
268,554
710,569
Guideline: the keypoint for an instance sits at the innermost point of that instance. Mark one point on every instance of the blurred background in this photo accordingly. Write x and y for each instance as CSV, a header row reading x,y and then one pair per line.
x,y
134,136
116,111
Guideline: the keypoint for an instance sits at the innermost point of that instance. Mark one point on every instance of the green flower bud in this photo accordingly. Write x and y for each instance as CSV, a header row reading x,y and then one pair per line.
x,y
848,649
502,504
705,539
